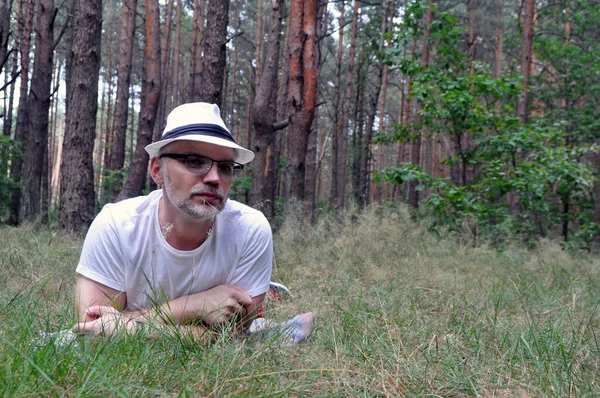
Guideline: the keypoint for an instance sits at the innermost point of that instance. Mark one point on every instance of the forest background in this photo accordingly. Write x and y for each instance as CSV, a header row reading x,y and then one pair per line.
x,y
483,114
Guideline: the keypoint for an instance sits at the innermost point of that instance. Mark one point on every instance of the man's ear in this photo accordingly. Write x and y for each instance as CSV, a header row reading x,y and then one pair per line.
x,y
155,168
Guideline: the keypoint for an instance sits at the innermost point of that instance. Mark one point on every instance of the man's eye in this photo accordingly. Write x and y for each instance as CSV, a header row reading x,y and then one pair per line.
x,y
196,162
226,167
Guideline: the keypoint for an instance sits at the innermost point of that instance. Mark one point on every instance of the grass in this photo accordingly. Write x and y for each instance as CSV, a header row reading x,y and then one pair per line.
x,y
400,312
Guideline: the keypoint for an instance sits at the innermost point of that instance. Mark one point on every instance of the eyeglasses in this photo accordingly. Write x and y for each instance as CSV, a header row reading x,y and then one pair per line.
x,y
201,165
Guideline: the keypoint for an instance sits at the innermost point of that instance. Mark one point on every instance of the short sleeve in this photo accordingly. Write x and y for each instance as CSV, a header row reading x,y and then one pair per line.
x,y
253,272
102,257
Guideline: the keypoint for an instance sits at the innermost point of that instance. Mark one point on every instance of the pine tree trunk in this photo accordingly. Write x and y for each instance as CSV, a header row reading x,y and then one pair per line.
x,y
5,6
165,59
8,121
415,155
36,143
366,157
150,98
175,92
16,171
471,32
302,93
264,112
342,164
337,124
210,88
259,41
526,55
386,24
77,173
499,34
126,44
282,112
357,138
197,38
310,178
232,115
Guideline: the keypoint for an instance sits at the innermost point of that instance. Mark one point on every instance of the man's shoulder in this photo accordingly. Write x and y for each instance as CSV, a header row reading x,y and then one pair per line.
x,y
240,213
132,209
235,207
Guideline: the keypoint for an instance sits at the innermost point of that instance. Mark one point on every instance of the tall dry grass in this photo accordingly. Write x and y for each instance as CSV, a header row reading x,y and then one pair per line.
x,y
400,312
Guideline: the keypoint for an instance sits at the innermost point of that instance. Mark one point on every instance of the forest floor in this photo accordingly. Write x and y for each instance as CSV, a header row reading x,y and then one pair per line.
x,y
400,312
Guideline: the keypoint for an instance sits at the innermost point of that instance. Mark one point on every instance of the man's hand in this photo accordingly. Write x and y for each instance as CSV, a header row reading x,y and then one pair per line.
x,y
105,321
218,305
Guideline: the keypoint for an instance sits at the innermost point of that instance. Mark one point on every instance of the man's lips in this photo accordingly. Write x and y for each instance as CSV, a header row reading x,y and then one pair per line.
x,y
208,196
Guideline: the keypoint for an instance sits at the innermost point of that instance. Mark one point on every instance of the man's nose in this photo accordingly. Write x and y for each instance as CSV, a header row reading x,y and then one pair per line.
x,y
212,177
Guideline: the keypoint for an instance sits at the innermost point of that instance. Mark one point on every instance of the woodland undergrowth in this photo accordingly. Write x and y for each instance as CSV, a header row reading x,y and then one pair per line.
x,y
400,312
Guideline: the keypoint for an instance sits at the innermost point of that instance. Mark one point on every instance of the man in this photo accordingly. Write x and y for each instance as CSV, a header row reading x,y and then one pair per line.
x,y
184,257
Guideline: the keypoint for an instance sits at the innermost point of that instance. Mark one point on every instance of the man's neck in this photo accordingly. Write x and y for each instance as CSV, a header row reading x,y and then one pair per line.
x,y
180,232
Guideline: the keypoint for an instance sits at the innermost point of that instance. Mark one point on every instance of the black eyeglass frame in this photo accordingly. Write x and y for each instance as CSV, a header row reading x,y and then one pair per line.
x,y
237,167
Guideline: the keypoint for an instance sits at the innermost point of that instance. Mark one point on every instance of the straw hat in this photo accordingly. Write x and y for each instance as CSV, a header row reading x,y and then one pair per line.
x,y
201,122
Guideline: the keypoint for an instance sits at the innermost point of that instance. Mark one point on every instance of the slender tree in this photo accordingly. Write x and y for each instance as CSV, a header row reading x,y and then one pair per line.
x,y
264,112
210,88
310,182
77,172
5,6
337,111
366,157
150,97
342,164
25,26
499,36
36,142
415,155
116,159
197,41
175,87
526,55
302,92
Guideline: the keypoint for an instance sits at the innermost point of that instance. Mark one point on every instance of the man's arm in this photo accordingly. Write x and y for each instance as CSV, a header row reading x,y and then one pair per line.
x,y
98,308
89,293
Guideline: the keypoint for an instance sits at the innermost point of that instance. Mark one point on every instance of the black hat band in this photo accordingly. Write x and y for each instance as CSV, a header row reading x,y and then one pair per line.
x,y
211,130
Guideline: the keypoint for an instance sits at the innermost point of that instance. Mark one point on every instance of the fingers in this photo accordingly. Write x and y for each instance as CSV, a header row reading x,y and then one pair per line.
x,y
242,296
98,311
94,328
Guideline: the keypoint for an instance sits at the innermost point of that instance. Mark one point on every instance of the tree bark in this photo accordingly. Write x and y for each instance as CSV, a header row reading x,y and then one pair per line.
x,y
388,16
77,172
126,44
342,164
415,155
165,58
150,98
233,116
310,178
24,33
264,112
357,139
526,55
471,32
197,38
499,36
210,88
302,93
175,92
259,41
282,111
5,6
337,124
36,143
8,120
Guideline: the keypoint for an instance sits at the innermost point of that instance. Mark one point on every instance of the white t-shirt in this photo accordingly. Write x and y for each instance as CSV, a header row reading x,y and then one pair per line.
x,y
125,250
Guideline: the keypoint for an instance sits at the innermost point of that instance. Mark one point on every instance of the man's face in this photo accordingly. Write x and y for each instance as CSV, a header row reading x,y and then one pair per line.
x,y
200,197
